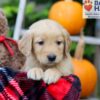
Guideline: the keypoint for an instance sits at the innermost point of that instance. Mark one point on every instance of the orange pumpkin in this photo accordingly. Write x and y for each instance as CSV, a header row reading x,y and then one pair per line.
x,y
85,70
68,14
87,74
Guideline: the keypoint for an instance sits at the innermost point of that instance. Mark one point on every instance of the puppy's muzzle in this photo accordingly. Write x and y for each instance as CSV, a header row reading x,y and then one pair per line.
x,y
51,57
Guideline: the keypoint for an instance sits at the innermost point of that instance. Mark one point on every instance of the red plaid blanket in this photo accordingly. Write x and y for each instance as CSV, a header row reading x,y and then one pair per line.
x,y
16,86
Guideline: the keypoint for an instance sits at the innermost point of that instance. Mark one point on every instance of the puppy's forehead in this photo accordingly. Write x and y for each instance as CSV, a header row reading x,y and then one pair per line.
x,y
48,27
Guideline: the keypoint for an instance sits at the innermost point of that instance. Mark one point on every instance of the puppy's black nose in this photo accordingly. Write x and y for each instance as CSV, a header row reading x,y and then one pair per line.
x,y
51,58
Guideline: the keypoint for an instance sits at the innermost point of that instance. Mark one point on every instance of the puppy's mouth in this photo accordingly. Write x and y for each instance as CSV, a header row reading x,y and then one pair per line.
x,y
50,63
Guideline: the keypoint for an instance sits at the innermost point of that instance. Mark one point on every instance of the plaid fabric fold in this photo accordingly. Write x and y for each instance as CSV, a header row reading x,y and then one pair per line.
x,y
16,86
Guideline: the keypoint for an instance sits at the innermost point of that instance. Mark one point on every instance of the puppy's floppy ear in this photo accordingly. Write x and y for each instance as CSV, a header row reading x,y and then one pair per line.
x,y
67,41
25,44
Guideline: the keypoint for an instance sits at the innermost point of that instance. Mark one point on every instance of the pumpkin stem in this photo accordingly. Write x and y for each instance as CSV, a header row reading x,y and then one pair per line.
x,y
80,47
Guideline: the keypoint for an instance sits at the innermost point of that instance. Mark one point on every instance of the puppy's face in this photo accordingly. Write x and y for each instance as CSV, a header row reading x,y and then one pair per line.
x,y
48,48
47,41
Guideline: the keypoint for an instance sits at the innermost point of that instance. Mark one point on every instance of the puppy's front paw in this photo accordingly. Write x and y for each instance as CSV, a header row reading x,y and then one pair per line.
x,y
35,74
51,75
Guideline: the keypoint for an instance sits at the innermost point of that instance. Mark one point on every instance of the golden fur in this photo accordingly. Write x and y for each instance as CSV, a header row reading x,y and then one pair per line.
x,y
43,38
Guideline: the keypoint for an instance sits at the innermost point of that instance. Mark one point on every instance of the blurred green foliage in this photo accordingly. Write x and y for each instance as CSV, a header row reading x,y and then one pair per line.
x,y
39,9
34,14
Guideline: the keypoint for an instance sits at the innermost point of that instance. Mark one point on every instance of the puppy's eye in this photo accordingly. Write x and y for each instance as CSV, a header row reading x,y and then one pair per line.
x,y
40,42
59,42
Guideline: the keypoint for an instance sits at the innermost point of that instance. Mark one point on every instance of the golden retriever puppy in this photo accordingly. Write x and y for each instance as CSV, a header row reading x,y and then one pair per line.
x,y
46,46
